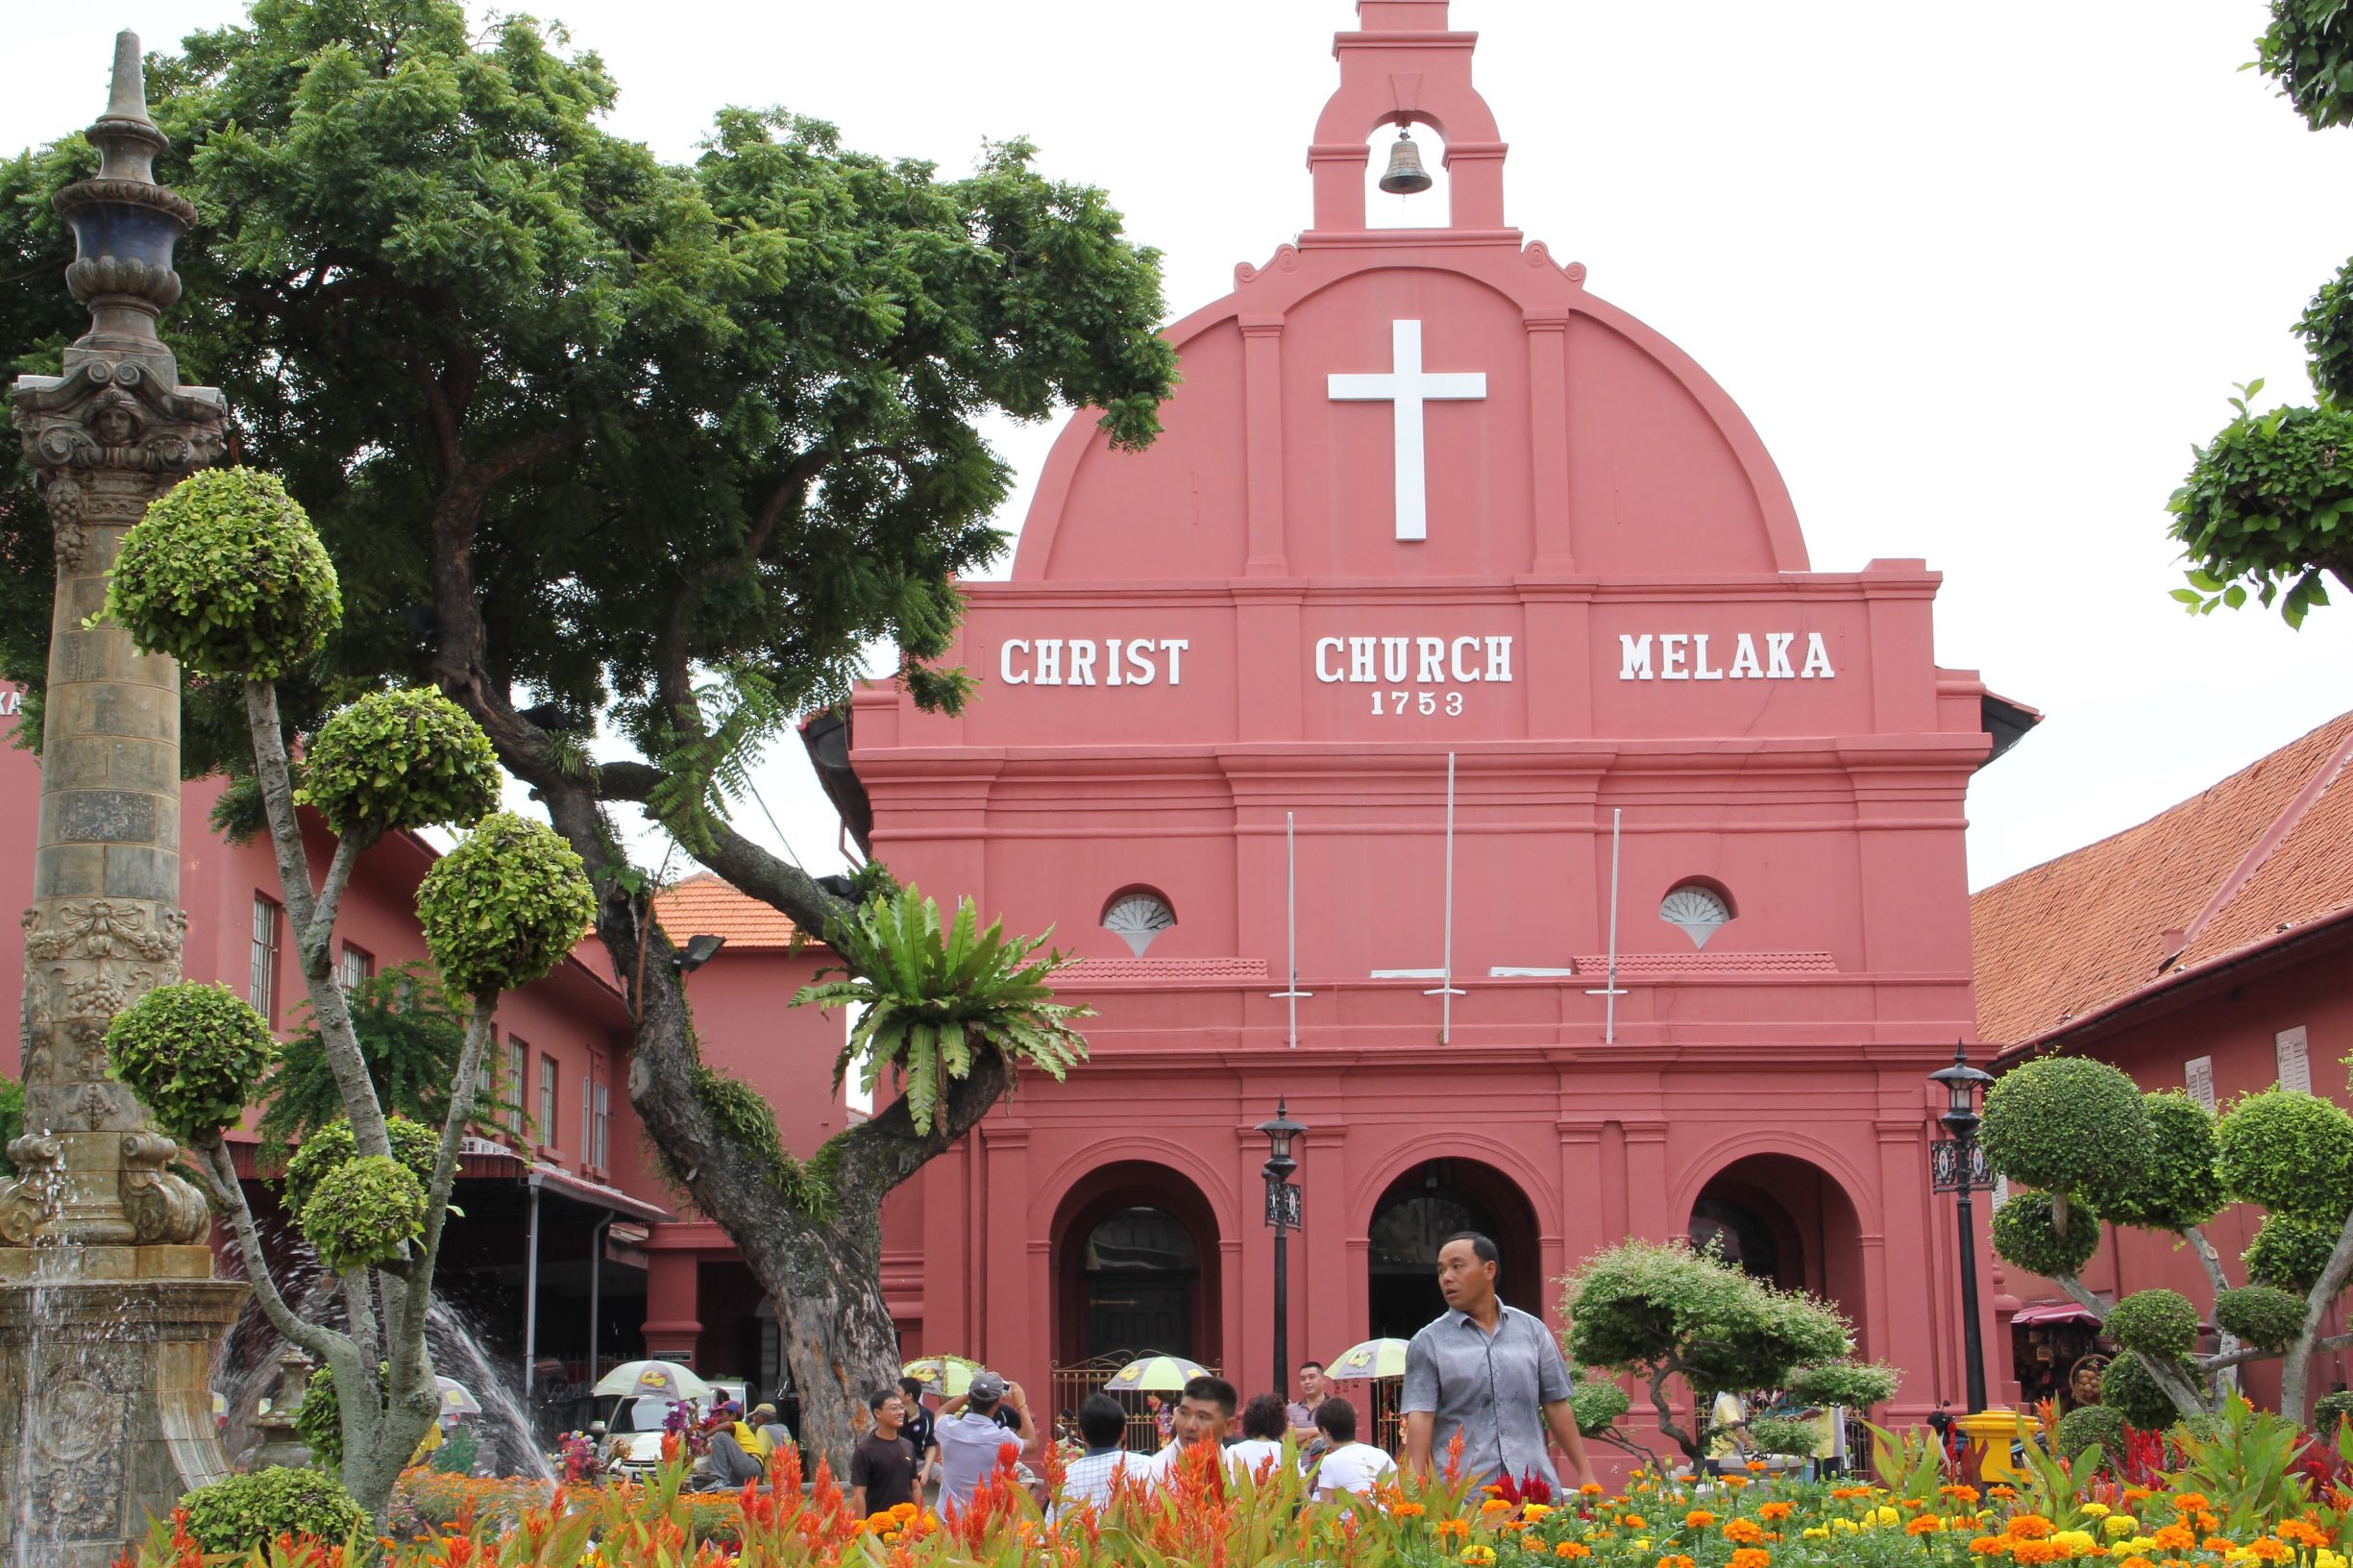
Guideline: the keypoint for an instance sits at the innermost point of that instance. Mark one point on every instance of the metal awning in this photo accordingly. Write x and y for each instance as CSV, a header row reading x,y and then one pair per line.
x,y
2050,1311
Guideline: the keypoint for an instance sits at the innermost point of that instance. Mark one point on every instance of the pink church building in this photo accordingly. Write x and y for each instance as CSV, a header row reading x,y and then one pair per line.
x,y
1426,502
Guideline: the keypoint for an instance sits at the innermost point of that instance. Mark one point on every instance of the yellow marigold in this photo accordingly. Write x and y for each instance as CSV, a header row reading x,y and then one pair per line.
x,y
1534,1511
1845,1527
1882,1515
2325,1559
1744,1531
1751,1557
1572,1549
2078,1543
1817,1533
2117,1525
1478,1556
1696,1519
1928,1524
2096,1511
1773,1510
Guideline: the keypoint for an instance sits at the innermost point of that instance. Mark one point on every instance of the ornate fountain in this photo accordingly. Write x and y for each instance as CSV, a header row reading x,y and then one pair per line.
x,y
109,1306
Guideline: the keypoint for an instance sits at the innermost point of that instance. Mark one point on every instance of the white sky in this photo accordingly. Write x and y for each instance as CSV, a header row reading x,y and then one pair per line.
x,y
1980,275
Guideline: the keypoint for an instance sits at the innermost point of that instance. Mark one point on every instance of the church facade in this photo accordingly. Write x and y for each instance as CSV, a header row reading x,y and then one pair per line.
x,y
1427,509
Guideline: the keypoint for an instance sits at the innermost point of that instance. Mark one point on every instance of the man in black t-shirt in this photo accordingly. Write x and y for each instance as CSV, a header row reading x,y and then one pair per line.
x,y
882,1467
919,1429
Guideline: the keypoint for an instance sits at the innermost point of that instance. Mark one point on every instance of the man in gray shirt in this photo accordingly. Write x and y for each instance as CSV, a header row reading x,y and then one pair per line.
x,y
1491,1373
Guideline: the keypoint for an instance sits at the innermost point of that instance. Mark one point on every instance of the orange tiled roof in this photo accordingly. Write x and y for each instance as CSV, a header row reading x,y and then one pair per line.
x,y
2216,875
705,903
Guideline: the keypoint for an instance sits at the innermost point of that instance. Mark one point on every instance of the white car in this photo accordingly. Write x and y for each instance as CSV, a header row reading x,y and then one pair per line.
x,y
638,1418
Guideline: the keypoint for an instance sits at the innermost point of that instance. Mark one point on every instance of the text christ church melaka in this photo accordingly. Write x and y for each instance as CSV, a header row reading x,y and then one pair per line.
x,y
1421,494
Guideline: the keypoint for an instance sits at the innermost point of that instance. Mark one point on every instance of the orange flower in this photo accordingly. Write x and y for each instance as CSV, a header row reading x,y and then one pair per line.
x,y
1634,1521
1457,1529
2028,1527
1750,1556
1928,1524
1756,1467
1590,1489
2190,1502
2268,1549
2002,1494
2138,1494
2208,1523
2032,1552
1963,1495
1732,1483
1910,1503
1495,1504
1696,1519
1675,1562
1744,1533
2301,1532
1990,1546
1572,1550
1774,1510
2219,1545
1407,1510
2174,1538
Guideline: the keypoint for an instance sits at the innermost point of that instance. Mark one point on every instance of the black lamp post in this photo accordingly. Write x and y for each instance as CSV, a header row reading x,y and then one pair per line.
x,y
1283,1213
1956,1165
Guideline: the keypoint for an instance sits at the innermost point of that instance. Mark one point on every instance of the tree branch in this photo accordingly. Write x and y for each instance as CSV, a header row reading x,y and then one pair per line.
x,y
2211,1261
219,1174
2224,1360
445,1166
321,933
2296,1366
773,881
276,780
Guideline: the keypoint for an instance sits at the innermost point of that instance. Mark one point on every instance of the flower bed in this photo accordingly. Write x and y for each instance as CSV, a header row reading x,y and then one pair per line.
x,y
2254,1495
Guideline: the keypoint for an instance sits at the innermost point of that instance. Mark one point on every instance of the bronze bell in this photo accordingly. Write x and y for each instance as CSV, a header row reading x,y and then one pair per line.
x,y
1405,176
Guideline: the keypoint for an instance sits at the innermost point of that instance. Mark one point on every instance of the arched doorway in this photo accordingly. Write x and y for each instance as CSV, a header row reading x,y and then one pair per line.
x,y
1418,1211
1786,1220
1134,1265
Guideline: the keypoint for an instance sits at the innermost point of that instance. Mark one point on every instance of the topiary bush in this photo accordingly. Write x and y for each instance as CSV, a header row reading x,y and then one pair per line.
x,y
2128,1387
2161,1324
2024,1234
332,1146
226,575
2260,1315
2091,1425
2289,1252
504,908
397,760
193,1053
2182,1184
2068,1124
1785,1435
241,1512
1854,1385
2291,1152
1597,1402
363,1213
2330,1410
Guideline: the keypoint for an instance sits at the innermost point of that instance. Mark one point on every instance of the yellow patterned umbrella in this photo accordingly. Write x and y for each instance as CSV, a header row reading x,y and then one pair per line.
x,y
946,1376
1155,1374
1375,1359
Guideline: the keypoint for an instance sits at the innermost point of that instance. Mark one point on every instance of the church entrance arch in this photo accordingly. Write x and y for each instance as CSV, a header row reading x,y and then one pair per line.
x,y
1785,1220
1136,1267
1419,1211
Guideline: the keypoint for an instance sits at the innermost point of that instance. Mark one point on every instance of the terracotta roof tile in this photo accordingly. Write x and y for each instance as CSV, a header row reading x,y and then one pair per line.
x,y
2271,843
706,904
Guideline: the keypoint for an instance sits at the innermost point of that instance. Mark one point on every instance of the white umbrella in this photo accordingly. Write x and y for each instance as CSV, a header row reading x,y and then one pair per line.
x,y
661,1379
456,1399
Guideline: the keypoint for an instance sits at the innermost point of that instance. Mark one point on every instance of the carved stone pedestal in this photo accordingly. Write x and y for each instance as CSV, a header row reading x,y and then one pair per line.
x,y
106,1396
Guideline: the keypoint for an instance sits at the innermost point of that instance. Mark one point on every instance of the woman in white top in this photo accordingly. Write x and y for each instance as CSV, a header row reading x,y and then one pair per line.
x,y
1265,1420
1347,1466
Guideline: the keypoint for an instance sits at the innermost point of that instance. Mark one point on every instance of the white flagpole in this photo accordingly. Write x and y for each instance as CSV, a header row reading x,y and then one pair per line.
x,y
1291,914
1446,986
1609,1016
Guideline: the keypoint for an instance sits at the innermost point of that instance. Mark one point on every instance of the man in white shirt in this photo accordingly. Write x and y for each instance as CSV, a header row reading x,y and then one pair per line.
x,y
1347,1465
1204,1414
1102,1425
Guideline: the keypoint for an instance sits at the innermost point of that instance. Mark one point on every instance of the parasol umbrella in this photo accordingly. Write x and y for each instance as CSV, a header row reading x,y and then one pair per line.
x,y
456,1399
1375,1359
946,1376
1156,1374
661,1379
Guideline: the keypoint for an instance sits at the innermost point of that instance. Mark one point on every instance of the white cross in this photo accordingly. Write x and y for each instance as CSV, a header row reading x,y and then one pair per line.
x,y
1409,387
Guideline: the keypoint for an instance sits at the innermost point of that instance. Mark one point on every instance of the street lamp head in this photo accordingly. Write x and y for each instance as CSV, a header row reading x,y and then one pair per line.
x,y
1962,1083
1280,1132
698,951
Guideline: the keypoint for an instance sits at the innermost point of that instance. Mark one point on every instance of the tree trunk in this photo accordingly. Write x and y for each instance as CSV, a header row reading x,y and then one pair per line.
x,y
2295,1368
839,1339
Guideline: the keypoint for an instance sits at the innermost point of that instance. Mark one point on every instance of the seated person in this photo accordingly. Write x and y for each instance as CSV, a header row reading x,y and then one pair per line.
x,y
1265,1421
1347,1465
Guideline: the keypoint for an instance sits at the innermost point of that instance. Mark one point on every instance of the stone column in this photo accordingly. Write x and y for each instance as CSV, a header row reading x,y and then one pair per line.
x,y
109,1307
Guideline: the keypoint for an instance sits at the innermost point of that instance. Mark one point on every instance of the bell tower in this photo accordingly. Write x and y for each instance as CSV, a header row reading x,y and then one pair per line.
x,y
1403,66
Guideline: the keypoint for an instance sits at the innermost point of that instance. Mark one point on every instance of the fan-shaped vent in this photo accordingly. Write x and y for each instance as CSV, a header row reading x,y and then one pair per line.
x,y
1694,911
1136,918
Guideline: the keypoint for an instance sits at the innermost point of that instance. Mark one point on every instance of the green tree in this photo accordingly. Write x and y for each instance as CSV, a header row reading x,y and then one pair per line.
x,y
2099,1151
1664,1313
414,1041
601,443
2267,510
225,574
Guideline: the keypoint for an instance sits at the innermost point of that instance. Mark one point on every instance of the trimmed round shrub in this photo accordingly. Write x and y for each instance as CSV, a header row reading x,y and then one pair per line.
x,y
2291,1252
413,1144
193,1053
2155,1323
242,1512
400,759
226,575
2182,1184
2128,1387
363,1211
504,908
2090,1425
1595,1402
2329,1410
1854,1385
2260,1315
2068,1124
2025,1234
1785,1435
2291,1152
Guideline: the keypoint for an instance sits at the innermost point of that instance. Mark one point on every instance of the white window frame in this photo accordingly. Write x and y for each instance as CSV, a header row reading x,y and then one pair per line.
x,y
551,1101
601,1126
355,967
2291,1055
2197,1077
261,963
